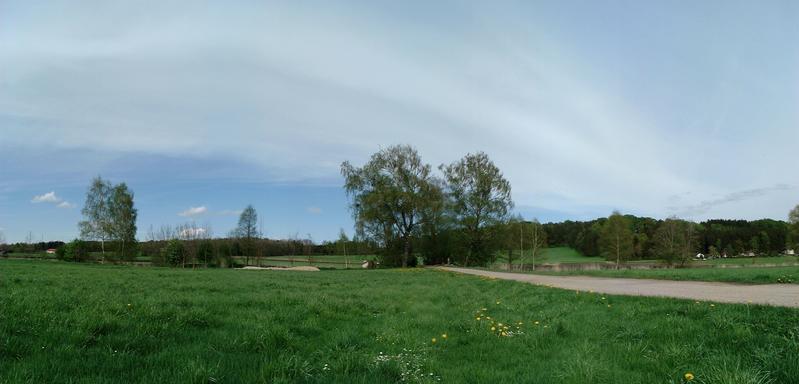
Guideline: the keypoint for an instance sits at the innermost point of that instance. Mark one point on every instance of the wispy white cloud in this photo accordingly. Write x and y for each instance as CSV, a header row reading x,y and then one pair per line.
x,y
705,206
561,108
65,204
314,210
194,211
49,197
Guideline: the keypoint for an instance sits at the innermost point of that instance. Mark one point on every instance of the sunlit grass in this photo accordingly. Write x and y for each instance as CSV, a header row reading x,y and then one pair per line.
x,y
92,323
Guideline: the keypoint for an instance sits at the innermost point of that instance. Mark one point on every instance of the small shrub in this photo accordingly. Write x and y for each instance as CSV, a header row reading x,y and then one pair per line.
x,y
174,253
76,250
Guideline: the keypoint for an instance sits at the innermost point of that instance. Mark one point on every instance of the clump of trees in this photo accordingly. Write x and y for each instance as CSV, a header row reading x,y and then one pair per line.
x,y
109,215
398,203
77,250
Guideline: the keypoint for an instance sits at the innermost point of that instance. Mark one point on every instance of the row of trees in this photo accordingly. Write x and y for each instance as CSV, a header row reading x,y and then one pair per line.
x,y
623,237
674,240
399,204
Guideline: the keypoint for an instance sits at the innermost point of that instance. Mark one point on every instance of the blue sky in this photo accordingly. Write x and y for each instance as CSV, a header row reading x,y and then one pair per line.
x,y
652,108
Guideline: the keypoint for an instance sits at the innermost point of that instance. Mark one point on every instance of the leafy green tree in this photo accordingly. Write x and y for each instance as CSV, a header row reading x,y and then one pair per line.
x,y
675,241
97,213
247,231
616,239
391,196
109,214
480,199
123,220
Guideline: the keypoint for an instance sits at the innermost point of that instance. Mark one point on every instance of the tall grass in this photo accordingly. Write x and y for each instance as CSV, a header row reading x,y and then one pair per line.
x,y
71,323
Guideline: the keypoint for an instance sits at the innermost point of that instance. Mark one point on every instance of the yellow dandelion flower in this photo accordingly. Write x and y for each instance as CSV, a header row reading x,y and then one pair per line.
x,y
603,298
477,318
712,305
443,335
689,376
434,340
497,302
536,323
608,305
493,328
500,324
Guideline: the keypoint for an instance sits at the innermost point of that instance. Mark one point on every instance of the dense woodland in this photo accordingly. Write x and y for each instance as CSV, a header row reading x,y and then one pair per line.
x,y
718,237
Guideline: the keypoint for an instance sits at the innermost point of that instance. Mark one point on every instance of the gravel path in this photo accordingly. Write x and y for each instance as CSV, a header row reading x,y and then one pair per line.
x,y
783,295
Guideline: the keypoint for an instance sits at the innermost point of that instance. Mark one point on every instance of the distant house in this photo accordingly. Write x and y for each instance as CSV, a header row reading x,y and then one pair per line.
x,y
790,252
51,251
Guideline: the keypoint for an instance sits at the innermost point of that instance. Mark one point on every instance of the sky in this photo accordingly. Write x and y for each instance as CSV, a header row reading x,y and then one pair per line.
x,y
668,108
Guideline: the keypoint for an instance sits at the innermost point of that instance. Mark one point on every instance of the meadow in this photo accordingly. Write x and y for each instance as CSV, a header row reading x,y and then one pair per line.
x,y
80,323
551,255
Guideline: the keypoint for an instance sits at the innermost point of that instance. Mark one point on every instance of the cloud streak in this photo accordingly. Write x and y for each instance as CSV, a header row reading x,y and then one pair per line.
x,y
707,205
194,211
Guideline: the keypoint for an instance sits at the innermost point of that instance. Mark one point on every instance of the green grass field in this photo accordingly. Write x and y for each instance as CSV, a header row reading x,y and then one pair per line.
x,y
83,323
762,275
553,255
325,262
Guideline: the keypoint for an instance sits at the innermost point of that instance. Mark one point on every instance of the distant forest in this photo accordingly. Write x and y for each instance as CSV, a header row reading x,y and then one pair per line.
x,y
730,237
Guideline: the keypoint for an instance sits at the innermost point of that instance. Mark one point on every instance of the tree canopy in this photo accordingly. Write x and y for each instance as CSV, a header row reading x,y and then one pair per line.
x,y
391,197
480,200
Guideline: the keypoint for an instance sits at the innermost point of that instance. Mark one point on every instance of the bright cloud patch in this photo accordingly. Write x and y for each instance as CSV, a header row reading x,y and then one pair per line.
x,y
194,211
52,198
49,197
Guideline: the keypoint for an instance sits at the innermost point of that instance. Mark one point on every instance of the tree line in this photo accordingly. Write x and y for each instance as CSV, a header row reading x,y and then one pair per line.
x,y
406,213
628,237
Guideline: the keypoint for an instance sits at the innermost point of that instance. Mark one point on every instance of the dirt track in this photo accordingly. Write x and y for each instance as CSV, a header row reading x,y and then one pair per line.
x,y
783,295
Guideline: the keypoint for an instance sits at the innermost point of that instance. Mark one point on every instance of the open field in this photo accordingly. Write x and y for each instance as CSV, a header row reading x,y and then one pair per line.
x,y
92,323
754,275
553,255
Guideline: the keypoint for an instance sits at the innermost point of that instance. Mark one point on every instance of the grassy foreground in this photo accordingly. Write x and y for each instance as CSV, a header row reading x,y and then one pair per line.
x,y
751,275
91,323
